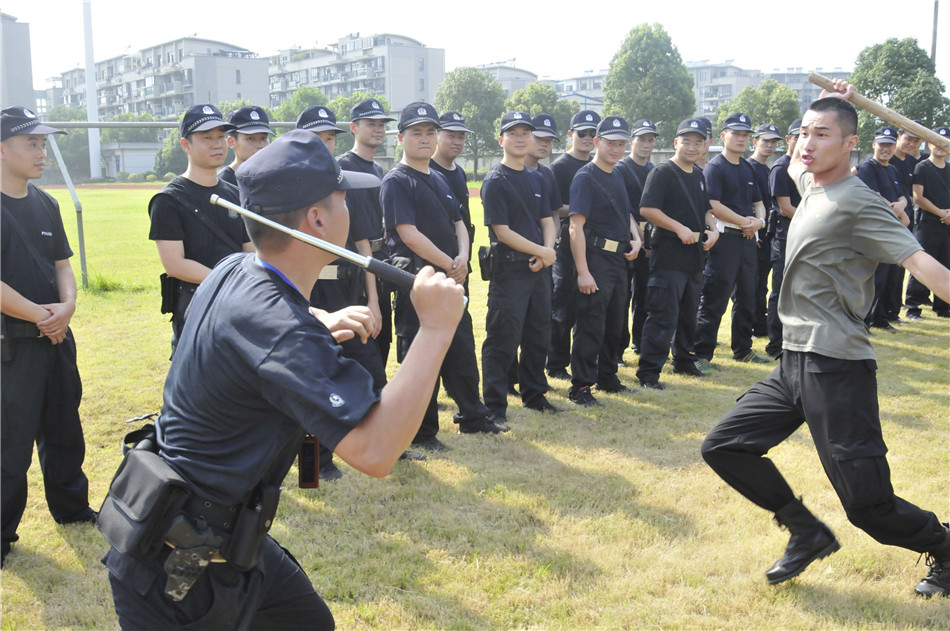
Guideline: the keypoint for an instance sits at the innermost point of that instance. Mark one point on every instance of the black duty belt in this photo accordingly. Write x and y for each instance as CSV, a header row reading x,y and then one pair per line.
x,y
336,272
22,329
728,230
513,256
220,517
609,245
376,245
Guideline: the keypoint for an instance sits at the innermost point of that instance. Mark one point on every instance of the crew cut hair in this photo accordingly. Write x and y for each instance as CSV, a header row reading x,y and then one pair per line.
x,y
845,113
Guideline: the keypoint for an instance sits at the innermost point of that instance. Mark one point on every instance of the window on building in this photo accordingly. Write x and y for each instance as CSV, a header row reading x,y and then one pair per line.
x,y
422,63
237,77
422,85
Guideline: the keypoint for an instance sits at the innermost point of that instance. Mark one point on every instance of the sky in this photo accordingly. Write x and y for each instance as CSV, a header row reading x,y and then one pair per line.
x,y
552,43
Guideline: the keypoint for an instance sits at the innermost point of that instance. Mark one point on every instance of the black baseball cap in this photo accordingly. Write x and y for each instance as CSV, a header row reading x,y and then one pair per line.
x,y
20,121
885,135
585,119
613,128
295,170
545,126
691,126
513,119
417,113
643,127
202,118
943,131
453,121
737,122
250,119
795,128
767,131
707,125
318,118
369,108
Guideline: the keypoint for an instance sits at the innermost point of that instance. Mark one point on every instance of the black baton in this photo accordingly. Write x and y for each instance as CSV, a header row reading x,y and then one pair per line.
x,y
394,275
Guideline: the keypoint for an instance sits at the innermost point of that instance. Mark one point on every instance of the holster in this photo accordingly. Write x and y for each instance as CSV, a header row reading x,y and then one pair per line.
x,y
486,259
169,288
253,523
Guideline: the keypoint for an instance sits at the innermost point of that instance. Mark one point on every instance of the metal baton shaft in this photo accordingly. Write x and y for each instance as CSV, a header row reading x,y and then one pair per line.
x,y
398,277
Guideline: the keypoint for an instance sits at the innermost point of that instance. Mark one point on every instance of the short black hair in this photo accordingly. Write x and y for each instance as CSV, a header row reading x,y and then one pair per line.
x,y
845,113
271,239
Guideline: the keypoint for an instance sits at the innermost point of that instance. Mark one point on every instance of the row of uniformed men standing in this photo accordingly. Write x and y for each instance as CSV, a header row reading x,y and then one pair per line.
x,y
566,245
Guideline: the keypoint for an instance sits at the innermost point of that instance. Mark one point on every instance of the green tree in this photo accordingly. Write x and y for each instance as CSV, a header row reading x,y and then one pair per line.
x,y
305,96
541,98
647,79
901,75
769,102
141,134
341,107
481,100
74,146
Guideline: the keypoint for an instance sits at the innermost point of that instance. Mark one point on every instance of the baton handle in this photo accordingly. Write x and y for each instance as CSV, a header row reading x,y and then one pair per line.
x,y
400,278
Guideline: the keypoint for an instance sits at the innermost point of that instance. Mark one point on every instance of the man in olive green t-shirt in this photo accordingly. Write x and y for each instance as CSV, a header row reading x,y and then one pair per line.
x,y
840,232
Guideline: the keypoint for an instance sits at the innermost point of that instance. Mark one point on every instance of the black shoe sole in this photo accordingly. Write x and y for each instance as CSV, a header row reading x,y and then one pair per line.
x,y
831,548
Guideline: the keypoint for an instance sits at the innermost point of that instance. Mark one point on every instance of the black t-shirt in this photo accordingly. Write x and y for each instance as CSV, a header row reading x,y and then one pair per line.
x,y
459,184
424,200
38,216
252,373
880,178
936,183
592,191
366,212
905,175
782,186
228,175
565,168
554,191
517,199
733,185
634,177
174,217
666,188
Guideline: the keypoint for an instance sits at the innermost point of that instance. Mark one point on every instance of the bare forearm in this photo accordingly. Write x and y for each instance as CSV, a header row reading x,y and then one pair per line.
x,y
579,244
423,247
66,282
15,305
515,241
726,214
930,272
378,441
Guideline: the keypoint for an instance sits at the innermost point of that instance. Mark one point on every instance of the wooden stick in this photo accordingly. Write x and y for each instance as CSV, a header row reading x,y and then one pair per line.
x,y
886,113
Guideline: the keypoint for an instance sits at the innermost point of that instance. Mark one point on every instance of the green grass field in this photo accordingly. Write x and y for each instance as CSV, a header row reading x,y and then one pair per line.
x,y
599,518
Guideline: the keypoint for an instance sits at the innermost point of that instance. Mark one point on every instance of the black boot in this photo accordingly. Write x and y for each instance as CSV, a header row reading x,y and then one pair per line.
x,y
811,540
937,582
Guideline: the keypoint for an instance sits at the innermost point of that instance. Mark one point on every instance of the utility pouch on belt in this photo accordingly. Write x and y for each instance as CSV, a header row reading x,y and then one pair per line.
x,y
486,258
253,522
144,497
169,285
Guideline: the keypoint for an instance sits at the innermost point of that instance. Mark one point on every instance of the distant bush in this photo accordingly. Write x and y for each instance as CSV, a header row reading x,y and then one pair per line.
x,y
168,177
136,177
122,176
151,177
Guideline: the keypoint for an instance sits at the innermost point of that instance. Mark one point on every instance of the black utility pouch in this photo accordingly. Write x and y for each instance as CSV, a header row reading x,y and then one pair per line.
x,y
252,524
144,497
486,258
169,285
